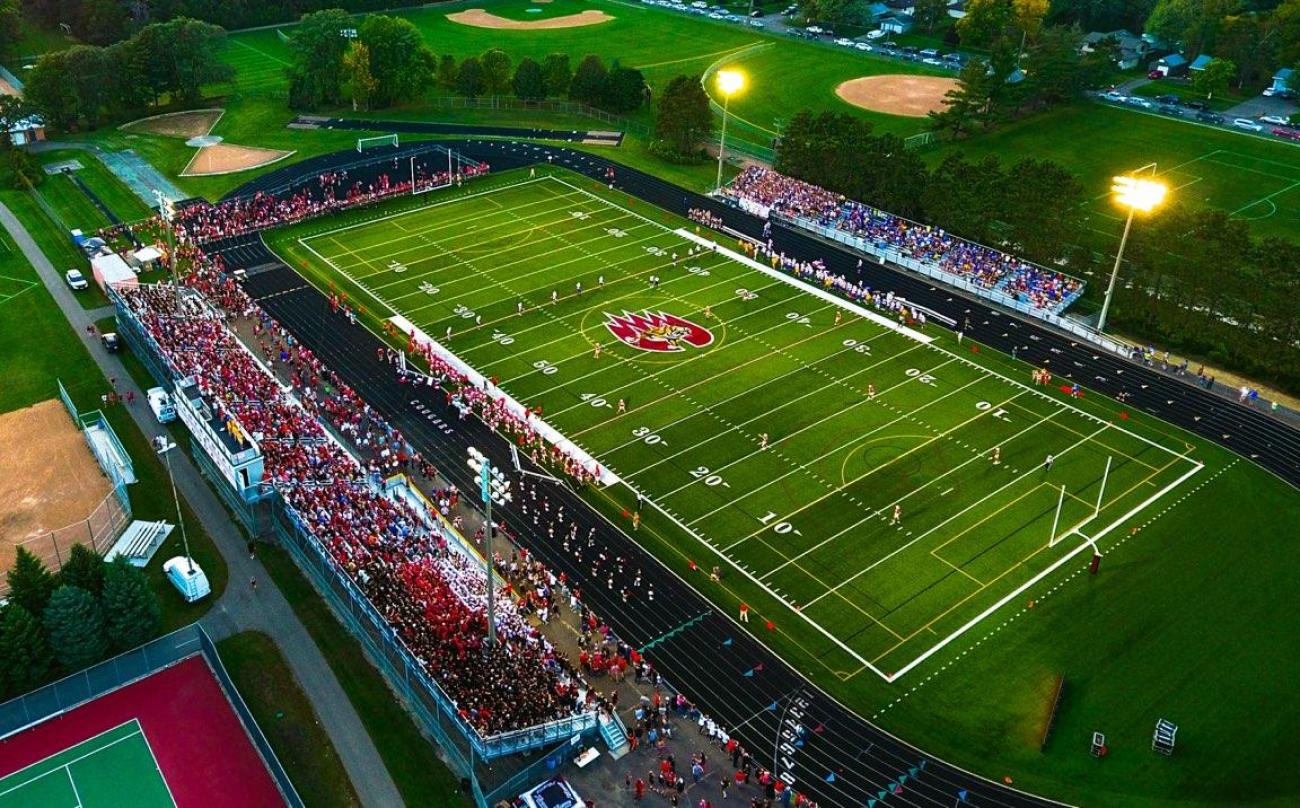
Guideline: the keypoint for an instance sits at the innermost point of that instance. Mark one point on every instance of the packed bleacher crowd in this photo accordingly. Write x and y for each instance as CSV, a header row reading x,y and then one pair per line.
x,y
429,590
327,192
763,192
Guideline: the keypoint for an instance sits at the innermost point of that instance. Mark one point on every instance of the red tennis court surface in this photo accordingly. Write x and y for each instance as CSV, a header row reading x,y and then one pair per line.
x,y
199,744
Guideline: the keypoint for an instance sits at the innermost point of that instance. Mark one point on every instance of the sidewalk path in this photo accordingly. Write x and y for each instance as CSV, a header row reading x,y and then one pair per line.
x,y
239,609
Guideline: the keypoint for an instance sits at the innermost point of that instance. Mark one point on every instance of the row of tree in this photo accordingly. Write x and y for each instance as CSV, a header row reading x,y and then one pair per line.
x,y
103,22
614,88
57,623
1031,207
1257,37
88,84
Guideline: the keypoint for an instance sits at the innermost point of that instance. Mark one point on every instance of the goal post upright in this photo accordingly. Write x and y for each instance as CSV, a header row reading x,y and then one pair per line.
x,y
1102,493
1056,520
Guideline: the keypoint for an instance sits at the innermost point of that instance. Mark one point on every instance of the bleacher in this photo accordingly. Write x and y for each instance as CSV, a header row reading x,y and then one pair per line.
x,y
140,541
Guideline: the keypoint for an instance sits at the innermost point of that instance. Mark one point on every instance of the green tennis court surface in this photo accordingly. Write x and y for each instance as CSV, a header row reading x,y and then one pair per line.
x,y
887,489
115,769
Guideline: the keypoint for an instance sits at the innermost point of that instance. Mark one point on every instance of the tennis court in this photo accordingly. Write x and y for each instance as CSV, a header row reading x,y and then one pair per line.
x,y
115,768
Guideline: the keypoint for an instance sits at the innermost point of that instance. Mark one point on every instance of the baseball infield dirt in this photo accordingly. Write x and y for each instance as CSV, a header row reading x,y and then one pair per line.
x,y
185,125
479,18
915,96
50,483
225,158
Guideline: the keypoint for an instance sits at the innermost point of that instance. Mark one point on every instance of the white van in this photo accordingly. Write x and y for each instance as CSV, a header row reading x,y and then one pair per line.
x,y
161,404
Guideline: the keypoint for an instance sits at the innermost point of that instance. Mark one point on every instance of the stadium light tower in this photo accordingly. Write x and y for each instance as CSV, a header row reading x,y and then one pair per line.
x,y
493,487
729,82
1136,194
164,445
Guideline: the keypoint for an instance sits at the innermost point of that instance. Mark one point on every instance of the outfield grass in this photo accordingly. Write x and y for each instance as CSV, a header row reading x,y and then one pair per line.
x,y
412,760
1130,642
286,717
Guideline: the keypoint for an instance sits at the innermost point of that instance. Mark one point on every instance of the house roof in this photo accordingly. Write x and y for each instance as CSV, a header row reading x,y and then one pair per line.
x,y
1173,60
1200,62
1283,74
877,10
1125,39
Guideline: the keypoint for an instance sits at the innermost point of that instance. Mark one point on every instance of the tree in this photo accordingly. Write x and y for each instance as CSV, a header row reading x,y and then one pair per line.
x,y
1285,22
969,103
469,78
683,118
358,81
624,91
100,22
11,25
557,74
49,90
1214,77
496,71
1193,24
928,13
30,583
1053,66
189,56
133,614
588,85
84,568
1042,213
528,82
965,198
25,658
402,66
986,21
74,624
446,77
316,51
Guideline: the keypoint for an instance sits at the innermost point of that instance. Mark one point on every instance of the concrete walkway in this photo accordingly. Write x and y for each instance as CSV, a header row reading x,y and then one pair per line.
x,y
240,608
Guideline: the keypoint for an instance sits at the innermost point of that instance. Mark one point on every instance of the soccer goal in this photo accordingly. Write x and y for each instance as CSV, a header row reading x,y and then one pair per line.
x,y
373,141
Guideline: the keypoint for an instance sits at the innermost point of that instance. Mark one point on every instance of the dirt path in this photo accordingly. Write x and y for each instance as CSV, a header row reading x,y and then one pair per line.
x,y
480,18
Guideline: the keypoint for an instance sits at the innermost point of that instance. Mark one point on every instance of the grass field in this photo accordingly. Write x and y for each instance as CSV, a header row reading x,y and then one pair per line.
x,y
860,416
114,768
1182,612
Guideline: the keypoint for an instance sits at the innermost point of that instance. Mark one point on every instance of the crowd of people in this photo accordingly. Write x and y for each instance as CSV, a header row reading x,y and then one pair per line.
x,y
430,590
329,191
763,192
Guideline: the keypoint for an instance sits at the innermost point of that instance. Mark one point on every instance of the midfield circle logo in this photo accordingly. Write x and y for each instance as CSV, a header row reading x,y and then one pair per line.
x,y
657,331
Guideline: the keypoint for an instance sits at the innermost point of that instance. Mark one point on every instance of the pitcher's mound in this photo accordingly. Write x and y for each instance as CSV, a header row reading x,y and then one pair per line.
x,y
479,18
916,96
225,158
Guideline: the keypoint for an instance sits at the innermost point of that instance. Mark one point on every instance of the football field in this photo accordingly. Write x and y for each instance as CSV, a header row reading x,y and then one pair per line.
x,y
880,487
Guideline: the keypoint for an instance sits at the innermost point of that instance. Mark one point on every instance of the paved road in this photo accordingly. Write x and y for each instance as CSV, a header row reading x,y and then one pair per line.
x,y
239,609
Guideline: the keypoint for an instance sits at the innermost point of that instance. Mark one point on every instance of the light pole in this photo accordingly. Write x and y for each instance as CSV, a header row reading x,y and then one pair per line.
x,y
493,487
1136,194
730,82
164,446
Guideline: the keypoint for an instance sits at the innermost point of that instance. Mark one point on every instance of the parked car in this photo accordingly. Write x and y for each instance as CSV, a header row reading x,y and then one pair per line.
x,y
815,29
930,60
699,4
876,34
844,42
1197,104
862,46
76,280
1141,102
161,404
1276,120
756,23
1248,124
1114,96
1169,99
111,342
1209,117
1155,75
1288,134
1171,109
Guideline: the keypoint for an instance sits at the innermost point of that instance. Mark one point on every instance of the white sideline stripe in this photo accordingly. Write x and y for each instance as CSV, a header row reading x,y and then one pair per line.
x,y
1040,576
861,311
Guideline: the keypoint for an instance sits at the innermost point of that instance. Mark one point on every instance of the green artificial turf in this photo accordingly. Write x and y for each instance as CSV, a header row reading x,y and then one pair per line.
x,y
1175,618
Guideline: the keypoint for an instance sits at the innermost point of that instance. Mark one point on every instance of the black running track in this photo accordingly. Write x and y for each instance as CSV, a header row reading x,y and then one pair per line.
x,y
603,137
841,759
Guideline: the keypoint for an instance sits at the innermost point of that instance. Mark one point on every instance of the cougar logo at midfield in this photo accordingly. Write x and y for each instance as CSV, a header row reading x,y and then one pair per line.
x,y
657,331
